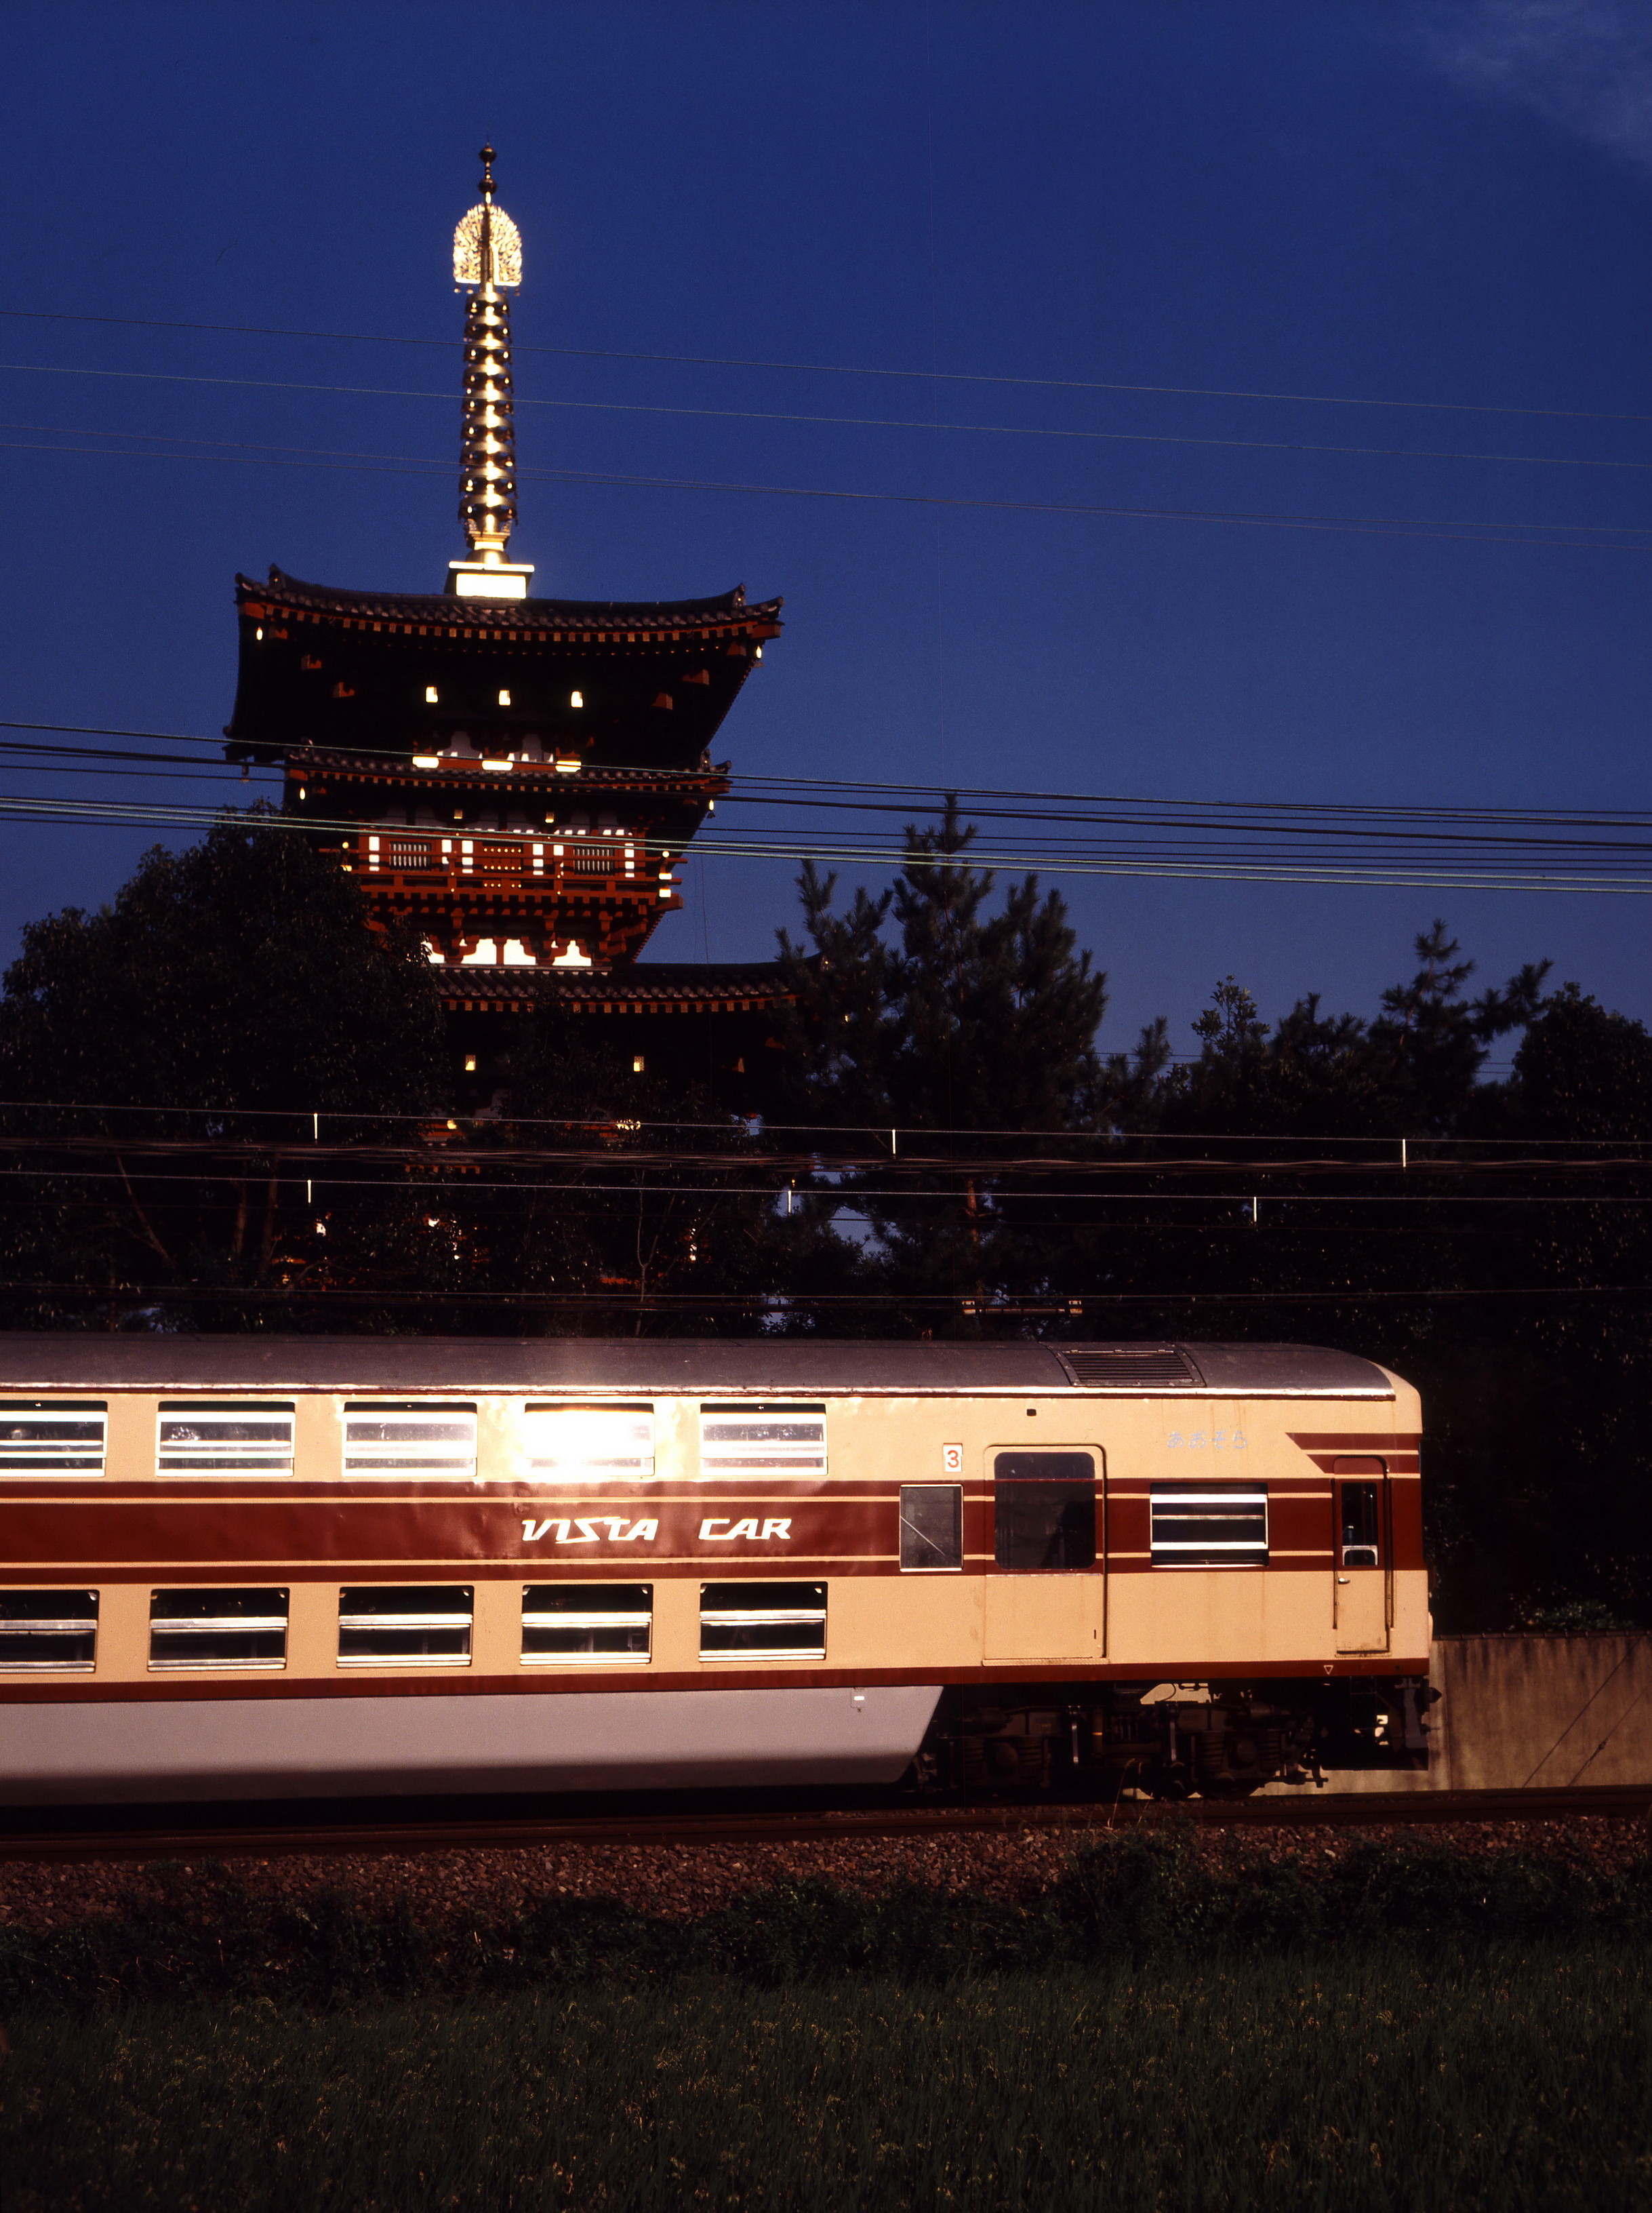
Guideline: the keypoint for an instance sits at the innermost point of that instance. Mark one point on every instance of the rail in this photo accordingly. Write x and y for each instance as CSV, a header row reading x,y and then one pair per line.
x,y
212,1839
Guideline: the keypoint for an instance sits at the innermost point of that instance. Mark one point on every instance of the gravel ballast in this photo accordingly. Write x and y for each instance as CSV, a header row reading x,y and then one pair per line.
x,y
686,1881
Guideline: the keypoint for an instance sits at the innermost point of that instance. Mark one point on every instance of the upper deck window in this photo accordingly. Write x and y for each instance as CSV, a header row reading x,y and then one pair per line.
x,y
219,1436
1225,1528
574,1444
751,1439
412,1437
52,1436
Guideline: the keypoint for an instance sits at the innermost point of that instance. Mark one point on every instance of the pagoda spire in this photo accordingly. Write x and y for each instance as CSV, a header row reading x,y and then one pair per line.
x,y
487,261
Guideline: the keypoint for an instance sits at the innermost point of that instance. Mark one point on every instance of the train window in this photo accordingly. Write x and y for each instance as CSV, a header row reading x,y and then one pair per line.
x,y
219,1436
586,1625
426,1624
1194,1528
931,1525
242,1628
410,1437
590,1443
1044,1511
763,1621
1356,1525
750,1438
48,1631
52,1436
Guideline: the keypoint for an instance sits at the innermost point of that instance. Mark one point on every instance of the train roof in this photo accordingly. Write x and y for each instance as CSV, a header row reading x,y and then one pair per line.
x,y
471,1366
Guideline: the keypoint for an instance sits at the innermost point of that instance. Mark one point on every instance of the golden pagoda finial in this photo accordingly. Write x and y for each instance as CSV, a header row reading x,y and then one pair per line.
x,y
487,257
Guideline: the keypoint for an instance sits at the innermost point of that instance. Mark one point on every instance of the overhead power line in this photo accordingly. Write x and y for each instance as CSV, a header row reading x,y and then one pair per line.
x,y
1112,1138
1583,871
853,1198
926,794
848,369
1048,1306
1301,842
1577,537
927,424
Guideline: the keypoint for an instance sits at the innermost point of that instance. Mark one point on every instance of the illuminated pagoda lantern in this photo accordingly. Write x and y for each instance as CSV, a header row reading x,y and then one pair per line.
x,y
516,776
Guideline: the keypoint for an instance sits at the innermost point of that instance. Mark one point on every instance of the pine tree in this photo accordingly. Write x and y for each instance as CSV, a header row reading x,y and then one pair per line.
x,y
949,1048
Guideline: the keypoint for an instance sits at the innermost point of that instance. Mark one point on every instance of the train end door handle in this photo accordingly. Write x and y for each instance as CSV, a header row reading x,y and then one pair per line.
x,y
1342,1579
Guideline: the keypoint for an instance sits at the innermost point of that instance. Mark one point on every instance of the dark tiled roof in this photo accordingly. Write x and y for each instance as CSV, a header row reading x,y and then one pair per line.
x,y
728,610
654,987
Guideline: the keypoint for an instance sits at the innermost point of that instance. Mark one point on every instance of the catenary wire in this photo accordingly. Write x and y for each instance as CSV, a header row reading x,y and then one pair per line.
x,y
885,1200
1037,1306
1109,1137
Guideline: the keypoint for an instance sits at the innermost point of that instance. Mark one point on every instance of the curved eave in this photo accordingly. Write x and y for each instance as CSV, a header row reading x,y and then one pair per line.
x,y
725,610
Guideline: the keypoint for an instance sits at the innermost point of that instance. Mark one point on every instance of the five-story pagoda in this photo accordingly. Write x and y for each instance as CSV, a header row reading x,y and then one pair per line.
x,y
516,775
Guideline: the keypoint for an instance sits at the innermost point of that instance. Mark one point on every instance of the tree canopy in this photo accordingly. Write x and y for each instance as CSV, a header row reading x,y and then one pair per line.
x,y
232,1107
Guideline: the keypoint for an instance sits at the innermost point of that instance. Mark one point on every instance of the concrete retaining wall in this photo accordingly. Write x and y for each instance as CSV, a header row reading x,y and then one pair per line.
x,y
1529,1712
1543,1712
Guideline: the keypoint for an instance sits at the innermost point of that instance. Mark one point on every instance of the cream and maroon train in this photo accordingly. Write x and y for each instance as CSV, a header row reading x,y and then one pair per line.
x,y
259,1567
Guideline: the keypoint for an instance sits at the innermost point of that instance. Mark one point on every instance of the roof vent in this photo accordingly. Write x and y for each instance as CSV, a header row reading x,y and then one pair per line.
x,y
1128,1367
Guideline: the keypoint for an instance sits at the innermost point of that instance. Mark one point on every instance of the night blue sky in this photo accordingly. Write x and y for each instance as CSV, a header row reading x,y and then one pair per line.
x,y
1419,204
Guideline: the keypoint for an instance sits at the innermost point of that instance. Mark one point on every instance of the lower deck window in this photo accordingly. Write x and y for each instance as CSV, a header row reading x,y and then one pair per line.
x,y
763,1621
589,1625
931,1525
1209,1528
48,1631
1044,1511
238,1629
426,1624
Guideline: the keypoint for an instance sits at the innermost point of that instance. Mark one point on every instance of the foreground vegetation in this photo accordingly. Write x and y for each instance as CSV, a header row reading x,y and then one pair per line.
x,y
1506,2077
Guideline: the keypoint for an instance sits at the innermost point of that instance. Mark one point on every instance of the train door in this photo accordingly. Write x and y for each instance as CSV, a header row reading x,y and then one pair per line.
x,y
1045,1589
1362,1570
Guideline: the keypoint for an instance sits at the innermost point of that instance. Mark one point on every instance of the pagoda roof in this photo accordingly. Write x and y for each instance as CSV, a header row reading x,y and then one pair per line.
x,y
598,618
655,987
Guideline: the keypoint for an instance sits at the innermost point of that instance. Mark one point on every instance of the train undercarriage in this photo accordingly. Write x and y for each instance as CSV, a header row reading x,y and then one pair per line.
x,y
1171,1740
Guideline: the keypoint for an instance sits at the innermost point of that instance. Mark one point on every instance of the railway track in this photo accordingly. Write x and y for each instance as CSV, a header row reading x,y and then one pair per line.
x,y
389,1835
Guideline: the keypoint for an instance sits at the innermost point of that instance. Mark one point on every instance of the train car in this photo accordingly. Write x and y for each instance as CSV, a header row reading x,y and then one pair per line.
x,y
266,1567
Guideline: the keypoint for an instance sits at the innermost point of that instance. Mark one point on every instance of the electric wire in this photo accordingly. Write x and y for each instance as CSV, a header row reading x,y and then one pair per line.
x,y
752,1125
1605,538
887,1200
1387,873
1041,1306
967,795
843,369
840,422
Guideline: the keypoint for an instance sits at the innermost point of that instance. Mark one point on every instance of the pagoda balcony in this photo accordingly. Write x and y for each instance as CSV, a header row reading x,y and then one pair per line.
x,y
578,866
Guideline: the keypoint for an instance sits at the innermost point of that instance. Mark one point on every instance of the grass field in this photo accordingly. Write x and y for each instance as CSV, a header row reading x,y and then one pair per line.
x,y
1504,2076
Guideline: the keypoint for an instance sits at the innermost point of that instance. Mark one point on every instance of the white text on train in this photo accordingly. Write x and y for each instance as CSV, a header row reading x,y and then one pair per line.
x,y
590,1531
723,1531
